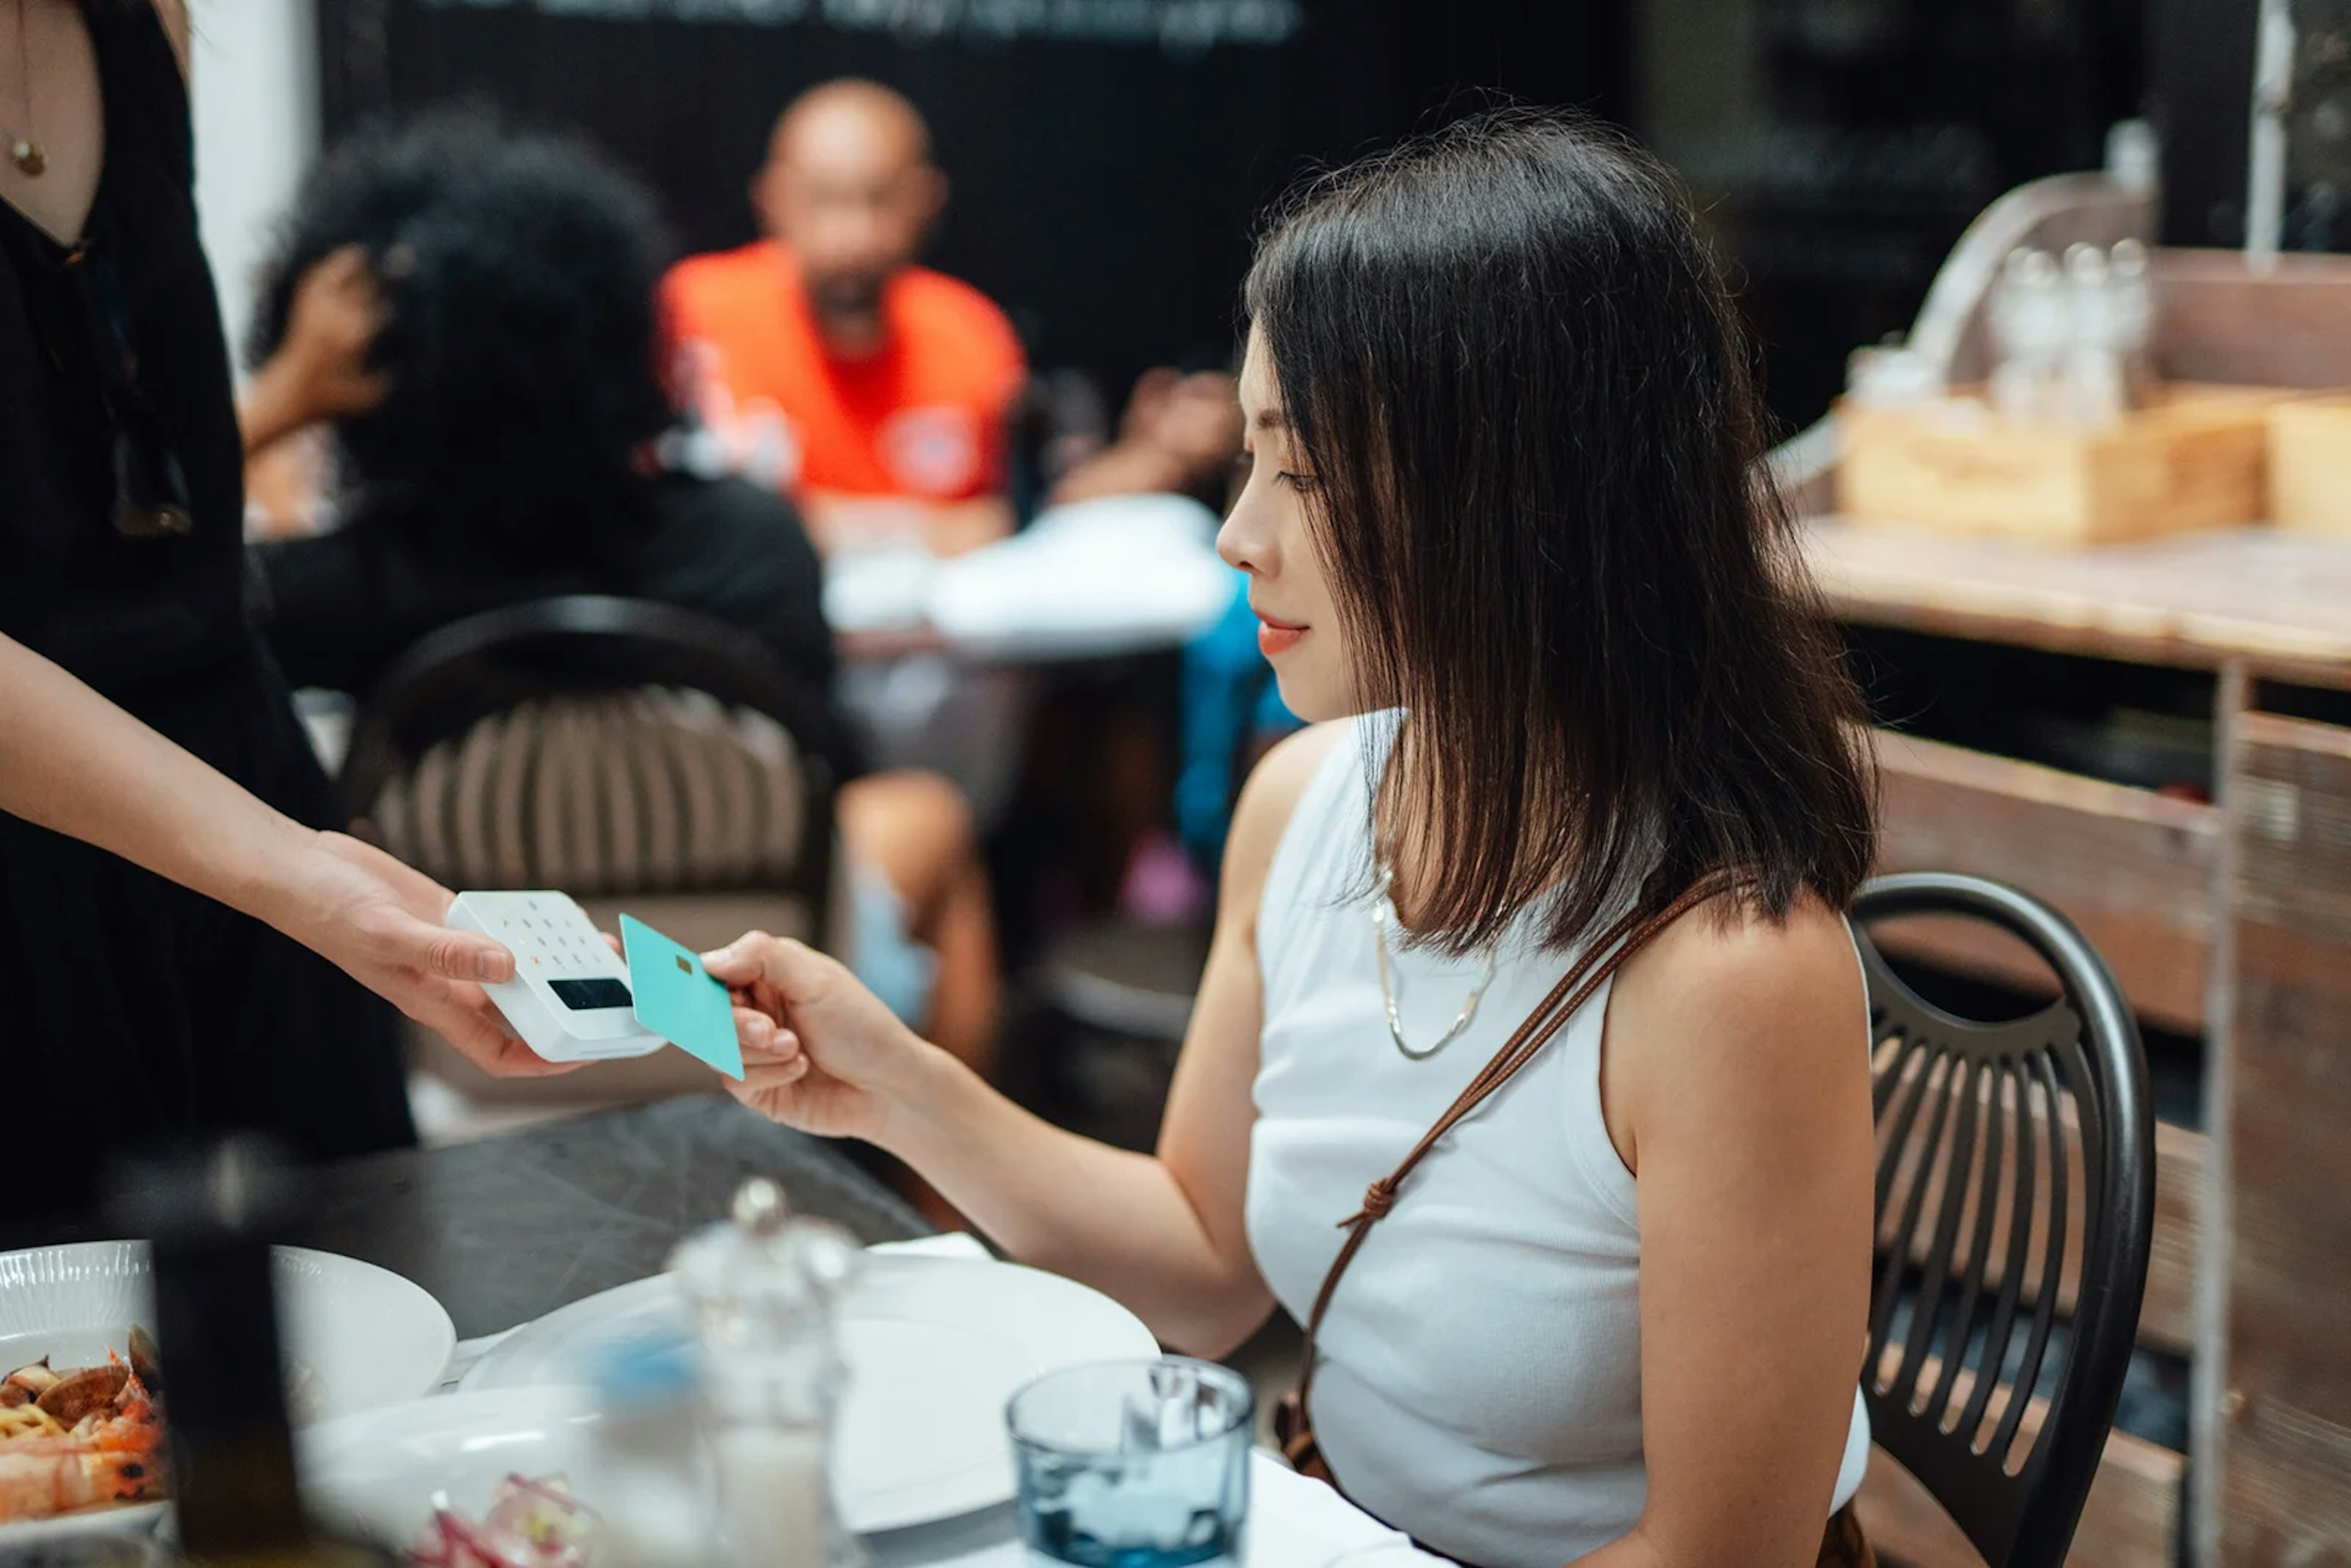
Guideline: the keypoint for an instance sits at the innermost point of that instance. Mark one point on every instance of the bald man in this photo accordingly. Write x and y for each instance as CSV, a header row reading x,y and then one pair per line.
x,y
871,390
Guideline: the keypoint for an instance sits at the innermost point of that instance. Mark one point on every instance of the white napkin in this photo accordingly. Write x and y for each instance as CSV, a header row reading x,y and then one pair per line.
x,y
959,1244
879,589
1293,1523
1293,1519
1123,570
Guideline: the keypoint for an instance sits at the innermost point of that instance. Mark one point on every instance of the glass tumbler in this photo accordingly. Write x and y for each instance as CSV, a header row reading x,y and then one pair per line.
x,y
1134,1464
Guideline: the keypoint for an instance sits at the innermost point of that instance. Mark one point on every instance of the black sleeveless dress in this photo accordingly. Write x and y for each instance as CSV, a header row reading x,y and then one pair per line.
x,y
132,1011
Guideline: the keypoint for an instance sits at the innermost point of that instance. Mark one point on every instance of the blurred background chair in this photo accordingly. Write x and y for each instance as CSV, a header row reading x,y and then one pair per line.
x,y
1115,994
636,755
2015,1214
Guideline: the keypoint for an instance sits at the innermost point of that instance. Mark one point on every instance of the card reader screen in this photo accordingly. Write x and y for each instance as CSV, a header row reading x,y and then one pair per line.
x,y
587,996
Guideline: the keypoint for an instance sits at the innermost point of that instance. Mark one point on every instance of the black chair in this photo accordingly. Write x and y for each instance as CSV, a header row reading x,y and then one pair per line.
x,y
634,755
1121,995
488,664
2016,1211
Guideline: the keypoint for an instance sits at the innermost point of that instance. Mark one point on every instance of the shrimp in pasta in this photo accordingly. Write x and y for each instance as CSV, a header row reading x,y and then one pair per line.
x,y
76,1440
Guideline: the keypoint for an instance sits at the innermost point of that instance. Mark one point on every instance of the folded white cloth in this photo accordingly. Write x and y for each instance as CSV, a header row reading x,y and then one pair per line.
x,y
1293,1523
880,589
951,1244
1094,579
1294,1520
1125,571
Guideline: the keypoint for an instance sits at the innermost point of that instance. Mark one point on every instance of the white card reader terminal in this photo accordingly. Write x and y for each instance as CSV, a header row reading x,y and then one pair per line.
x,y
570,998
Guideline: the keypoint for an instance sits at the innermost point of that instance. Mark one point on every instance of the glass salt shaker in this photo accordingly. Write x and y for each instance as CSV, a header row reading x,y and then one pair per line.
x,y
761,1289
2028,329
2134,318
2095,390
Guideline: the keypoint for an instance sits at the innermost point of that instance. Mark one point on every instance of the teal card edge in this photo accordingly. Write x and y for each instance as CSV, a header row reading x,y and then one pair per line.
x,y
630,924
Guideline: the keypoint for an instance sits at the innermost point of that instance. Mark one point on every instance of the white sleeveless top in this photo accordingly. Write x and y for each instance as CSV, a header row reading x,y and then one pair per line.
x,y
1479,1383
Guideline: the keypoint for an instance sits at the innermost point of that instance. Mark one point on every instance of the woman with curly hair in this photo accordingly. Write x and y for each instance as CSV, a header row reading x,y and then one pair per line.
x,y
472,313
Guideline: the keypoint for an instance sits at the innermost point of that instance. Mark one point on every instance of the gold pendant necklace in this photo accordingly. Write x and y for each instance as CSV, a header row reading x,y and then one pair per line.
x,y
24,150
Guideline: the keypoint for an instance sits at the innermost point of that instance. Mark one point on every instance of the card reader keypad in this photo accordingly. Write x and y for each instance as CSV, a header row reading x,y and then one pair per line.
x,y
553,941
572,998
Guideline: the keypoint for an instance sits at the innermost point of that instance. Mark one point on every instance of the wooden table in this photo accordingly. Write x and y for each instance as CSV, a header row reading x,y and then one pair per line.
x,y
2231,919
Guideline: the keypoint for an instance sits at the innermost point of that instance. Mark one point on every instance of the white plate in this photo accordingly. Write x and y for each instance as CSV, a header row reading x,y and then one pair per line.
x,y
133,1518
374,1474
934,1348
357,1336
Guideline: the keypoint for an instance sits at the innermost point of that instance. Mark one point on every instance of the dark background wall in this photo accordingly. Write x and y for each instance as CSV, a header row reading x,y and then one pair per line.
x,y
2201,57
1841,146
1104,191
1105,186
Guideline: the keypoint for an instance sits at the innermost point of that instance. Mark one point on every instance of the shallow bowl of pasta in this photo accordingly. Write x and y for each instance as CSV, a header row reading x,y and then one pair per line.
x,y
84,1413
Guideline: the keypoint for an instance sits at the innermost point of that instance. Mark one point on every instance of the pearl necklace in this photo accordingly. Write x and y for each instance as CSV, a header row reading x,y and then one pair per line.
x,y
1387,986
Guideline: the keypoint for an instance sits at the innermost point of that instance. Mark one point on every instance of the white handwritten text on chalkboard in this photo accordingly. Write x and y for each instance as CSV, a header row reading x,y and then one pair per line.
x,y
1179,26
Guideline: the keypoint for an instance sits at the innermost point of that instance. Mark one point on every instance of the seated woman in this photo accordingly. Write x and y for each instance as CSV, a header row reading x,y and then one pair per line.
x,y
474,315
1506,536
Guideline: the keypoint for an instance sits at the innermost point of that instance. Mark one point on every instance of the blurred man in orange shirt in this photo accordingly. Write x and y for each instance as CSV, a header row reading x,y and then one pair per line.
x,y
874,392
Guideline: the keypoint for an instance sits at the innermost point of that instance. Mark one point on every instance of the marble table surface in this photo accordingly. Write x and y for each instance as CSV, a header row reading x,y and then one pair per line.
x,y
510,1229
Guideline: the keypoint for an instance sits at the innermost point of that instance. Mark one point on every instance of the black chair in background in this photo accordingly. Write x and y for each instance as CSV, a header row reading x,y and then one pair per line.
x,y
634,755
2015,1213
1117,995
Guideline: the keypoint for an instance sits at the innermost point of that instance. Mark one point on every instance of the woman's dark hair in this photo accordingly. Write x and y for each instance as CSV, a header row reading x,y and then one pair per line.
x,y
518,274
1526,404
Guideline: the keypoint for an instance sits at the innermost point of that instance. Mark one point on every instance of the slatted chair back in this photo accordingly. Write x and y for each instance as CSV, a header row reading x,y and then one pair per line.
x,y
2015,1206
613,750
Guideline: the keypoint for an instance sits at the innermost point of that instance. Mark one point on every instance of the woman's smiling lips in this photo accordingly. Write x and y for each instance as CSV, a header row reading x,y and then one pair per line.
x,y
1276,636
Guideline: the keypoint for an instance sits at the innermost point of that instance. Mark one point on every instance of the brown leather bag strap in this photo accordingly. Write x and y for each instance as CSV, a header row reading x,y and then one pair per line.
x,y
1601,959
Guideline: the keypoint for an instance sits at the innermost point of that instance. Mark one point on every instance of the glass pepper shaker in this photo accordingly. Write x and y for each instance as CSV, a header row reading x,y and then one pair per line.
x,y
760,1288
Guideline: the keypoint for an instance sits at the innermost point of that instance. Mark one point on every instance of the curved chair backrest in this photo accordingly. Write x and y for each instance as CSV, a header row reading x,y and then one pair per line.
x,y
2015,1188
602,746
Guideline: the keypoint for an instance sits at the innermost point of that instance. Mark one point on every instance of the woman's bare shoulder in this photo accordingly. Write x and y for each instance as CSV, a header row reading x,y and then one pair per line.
x,y
1267,803
1738,1003
1738,957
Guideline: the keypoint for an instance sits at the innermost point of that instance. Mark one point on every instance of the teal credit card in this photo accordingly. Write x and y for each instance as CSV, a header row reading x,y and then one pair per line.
x,y
677,999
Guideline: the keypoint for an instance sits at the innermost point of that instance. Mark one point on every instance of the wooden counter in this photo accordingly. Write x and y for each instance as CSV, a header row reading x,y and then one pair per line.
x,y
2276,605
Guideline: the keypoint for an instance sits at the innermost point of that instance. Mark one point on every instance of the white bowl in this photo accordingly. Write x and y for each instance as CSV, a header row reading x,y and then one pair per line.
x,y
356,1337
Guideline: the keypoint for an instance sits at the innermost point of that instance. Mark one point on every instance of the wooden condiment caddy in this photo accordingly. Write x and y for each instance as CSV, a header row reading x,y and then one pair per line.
x,y
2197,456
2310,465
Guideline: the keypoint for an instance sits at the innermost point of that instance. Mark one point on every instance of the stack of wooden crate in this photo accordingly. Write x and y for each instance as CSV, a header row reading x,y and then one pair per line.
x,y
2309,464
2196,456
